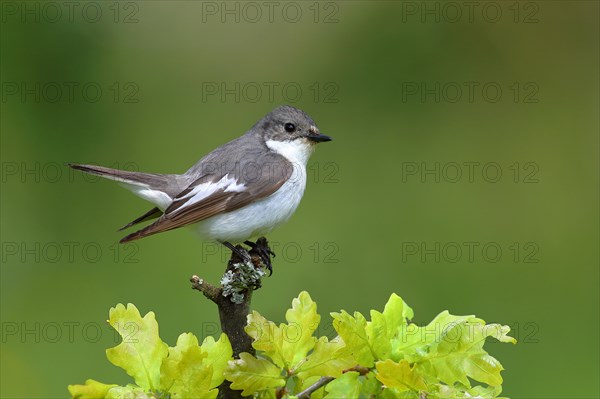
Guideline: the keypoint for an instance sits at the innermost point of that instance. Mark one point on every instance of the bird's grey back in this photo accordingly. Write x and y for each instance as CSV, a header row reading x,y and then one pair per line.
x,y
229,157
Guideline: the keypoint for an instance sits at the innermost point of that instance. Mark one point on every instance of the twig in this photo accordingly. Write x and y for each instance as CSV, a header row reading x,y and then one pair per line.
x,y
319,384
210,291
326,380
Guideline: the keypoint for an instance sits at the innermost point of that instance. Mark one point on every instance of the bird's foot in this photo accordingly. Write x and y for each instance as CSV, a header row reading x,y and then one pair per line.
x,y
261,249
239,253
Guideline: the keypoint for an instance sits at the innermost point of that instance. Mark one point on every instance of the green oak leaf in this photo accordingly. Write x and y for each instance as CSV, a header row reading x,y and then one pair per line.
x,y
185,373
218,354
400,376
377,333
253,375
286,344
370,386
345,387
353,331
500,333
487,392
353,385
141,352
413,342
371,340
303,320
441,391
396,312
393,393
328,358
450,349
130,392
267,336
460,354
92,389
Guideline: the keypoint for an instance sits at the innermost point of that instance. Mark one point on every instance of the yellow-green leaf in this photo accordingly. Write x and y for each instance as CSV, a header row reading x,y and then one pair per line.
x,y
302,321
399,376
253,375
185,373
450,349
91,390
328,358
396,312
353,332
345,387
286,344
218,354
482,367
267,336
377,332
141,352
130,392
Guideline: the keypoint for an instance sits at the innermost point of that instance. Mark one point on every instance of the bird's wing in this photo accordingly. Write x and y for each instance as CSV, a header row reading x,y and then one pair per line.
x,y
151,214
211,195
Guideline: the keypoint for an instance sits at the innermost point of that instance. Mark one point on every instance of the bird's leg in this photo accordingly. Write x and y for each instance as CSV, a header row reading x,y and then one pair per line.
x,y
262,250
239,251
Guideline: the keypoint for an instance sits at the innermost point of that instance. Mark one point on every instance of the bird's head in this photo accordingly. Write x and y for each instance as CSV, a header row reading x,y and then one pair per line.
x,y
289,124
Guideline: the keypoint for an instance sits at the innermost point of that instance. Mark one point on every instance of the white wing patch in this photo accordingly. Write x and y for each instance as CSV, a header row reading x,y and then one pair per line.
x,y
204,190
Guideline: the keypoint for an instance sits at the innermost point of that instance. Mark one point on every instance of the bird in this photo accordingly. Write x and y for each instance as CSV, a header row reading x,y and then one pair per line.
x,y
240,190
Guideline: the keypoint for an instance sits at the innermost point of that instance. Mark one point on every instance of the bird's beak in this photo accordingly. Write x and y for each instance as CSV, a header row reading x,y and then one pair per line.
x,y
319,138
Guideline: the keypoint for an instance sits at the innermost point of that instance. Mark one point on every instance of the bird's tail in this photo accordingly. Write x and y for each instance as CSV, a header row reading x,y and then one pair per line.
x,y
136,178
156,188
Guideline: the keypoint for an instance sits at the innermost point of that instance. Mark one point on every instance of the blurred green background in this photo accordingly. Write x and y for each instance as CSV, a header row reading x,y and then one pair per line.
x,y
154,85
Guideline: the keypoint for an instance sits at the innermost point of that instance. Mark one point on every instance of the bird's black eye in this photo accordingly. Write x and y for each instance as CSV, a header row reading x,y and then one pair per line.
x,y
290,127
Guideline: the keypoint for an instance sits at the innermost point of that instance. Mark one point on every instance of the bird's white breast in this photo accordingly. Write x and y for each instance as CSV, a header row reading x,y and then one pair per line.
x,y
262,216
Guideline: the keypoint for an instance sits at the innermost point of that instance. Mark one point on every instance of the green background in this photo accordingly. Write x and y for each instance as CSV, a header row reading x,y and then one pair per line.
x,y
349,242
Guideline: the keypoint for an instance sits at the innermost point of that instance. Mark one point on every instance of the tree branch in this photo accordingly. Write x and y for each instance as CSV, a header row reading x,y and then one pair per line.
x,y
233,299
319,384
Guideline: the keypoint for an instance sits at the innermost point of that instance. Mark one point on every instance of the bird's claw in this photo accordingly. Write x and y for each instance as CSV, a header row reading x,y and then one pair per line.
x,y
261,249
